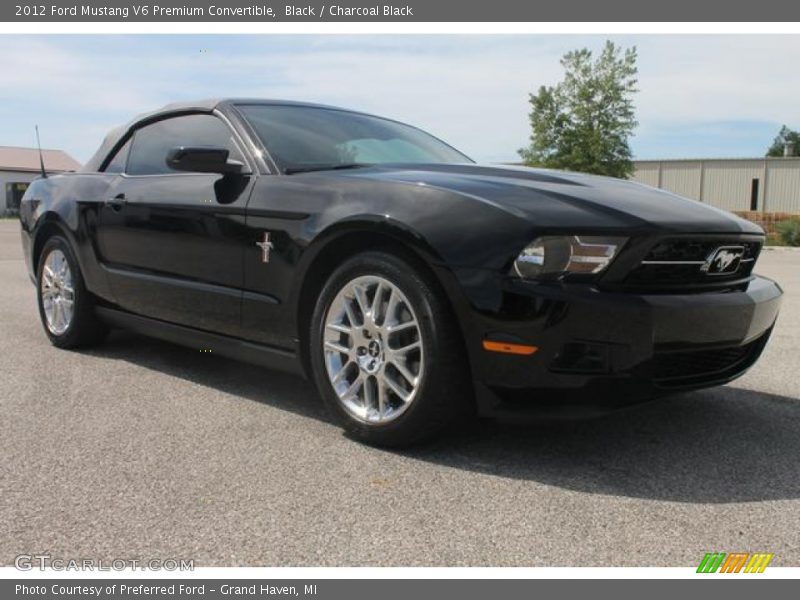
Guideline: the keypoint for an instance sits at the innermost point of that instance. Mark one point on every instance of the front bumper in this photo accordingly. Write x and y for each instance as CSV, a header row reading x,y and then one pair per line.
x,y
600,350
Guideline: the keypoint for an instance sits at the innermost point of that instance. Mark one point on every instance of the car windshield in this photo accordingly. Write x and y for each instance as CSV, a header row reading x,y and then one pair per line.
x,y
305,138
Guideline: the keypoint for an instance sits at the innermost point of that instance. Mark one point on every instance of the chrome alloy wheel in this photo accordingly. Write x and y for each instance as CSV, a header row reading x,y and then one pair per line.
x,y
58,293
373,349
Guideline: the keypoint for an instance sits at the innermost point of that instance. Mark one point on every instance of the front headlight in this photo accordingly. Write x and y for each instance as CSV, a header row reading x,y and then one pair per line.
x,y
550,257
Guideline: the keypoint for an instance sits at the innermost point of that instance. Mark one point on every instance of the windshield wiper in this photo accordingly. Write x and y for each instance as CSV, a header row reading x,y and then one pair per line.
x,y
328,167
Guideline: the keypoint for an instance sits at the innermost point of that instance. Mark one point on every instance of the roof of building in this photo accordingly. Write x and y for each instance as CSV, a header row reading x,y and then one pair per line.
x,y
716,159
13,158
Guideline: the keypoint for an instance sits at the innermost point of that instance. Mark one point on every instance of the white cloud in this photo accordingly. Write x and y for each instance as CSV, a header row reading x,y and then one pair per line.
x,y
702,78
41,67
470,90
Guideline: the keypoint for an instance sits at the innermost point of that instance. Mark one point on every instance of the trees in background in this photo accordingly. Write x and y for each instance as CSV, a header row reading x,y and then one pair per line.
x,y
785,135
583,123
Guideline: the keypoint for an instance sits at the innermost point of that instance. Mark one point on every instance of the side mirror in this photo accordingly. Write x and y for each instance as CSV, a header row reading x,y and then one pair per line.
x,y
203,159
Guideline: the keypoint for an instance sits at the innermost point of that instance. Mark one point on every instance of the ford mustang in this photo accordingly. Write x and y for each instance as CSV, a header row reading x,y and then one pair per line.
x,y
412,285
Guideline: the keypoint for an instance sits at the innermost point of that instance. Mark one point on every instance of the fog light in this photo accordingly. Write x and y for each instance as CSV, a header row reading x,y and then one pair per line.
x,y
582,357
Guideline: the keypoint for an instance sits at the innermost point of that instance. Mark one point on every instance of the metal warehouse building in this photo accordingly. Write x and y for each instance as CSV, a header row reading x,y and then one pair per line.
x,y
757,184
20,166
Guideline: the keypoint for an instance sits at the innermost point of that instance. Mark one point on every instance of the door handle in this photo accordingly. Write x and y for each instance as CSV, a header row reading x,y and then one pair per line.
x,y
117,203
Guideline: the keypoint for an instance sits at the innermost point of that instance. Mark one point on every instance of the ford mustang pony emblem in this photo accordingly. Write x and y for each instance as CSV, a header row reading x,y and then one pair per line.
x,y
724,260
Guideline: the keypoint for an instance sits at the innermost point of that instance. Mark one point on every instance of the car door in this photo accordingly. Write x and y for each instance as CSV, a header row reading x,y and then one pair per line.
x,y
173,242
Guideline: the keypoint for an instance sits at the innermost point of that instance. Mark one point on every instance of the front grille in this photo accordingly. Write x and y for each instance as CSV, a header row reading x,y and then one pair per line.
x,y
675,369
675,262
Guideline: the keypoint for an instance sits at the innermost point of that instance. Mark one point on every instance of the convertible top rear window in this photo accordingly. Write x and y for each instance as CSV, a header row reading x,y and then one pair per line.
x,y
299,137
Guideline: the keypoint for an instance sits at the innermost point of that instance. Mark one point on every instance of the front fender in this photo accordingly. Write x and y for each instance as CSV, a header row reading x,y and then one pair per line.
x,y
349,236
65,204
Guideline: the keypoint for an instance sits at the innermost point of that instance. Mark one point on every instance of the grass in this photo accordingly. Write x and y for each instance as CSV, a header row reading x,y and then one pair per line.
x,y
773,239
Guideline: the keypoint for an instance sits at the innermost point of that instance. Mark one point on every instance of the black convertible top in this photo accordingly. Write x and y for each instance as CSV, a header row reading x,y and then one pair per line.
x,y
116,135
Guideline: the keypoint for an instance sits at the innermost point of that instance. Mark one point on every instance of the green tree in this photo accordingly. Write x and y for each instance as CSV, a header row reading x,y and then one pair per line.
x,y
785,135
583,123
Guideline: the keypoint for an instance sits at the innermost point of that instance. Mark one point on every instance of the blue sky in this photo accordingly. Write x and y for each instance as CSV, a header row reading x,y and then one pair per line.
x,y
700,95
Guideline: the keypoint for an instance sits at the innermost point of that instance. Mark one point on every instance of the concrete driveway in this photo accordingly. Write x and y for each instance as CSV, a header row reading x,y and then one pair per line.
x,y
144,449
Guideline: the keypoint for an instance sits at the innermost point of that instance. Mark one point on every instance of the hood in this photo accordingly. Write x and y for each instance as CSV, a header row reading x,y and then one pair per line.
x,y
553,199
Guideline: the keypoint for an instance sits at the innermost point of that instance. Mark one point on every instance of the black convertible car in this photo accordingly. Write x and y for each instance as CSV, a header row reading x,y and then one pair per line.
x,y
413,285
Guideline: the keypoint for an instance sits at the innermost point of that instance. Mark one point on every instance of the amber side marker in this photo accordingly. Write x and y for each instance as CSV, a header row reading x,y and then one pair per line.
x,y
507,348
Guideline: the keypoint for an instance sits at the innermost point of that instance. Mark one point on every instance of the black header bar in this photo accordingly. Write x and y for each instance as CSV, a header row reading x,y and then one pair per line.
x,y
410,11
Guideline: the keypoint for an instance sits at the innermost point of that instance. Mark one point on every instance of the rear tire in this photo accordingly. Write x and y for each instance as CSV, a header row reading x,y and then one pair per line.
x,y
66,307
386,354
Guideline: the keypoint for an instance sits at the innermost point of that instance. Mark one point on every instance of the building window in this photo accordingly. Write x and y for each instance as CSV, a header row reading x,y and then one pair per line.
x,y
14,193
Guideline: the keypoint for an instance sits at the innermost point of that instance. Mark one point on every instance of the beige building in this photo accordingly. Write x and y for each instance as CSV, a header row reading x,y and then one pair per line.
x,y
20,166
759,184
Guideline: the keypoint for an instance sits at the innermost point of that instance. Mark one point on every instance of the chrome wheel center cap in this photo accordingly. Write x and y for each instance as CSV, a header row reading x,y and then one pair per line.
x,y
374,349
370,357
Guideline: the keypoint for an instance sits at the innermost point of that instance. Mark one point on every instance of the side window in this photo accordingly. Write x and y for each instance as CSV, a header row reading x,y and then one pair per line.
x,y
152,143
117,164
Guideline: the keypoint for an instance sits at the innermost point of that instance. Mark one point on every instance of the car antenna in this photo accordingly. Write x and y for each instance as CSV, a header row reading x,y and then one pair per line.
x,y
41,157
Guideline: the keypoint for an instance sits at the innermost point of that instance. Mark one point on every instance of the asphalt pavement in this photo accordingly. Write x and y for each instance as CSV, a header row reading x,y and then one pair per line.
x,y
142,449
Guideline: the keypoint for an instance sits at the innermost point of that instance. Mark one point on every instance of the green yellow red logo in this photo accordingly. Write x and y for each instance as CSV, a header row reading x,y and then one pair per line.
x,y
734,562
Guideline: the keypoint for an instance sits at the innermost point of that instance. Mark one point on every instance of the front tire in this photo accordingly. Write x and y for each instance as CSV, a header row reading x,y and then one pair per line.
x,y
66,307
386,353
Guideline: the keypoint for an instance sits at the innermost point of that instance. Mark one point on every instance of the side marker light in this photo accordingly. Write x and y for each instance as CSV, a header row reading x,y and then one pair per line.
x,y
507,348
